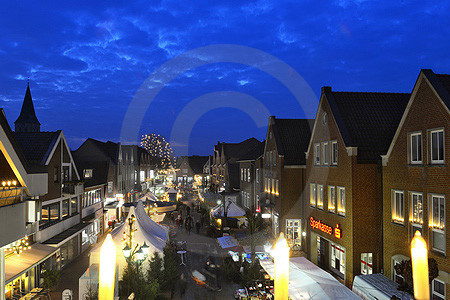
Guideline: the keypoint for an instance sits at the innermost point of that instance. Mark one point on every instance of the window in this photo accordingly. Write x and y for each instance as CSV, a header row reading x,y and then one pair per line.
x,y
332,199
320,196
88,173
438,289
312,196
65,208
293,234
50,213
366,263
337,261
325,153
257,175
415,144
341,201
55,174
248,174
73,206
317,154
242,174
416,212
437,146
438,222
334,153
398,206
276,187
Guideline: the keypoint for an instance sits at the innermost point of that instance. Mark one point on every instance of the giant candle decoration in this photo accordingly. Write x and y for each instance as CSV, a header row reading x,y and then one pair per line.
x,y
281,256
107,269
419,260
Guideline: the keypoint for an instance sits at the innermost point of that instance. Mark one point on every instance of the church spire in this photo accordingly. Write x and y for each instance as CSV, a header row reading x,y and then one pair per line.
x,y
27,120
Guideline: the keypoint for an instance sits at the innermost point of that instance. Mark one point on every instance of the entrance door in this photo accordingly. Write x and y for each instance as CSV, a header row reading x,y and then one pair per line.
x,y
321,248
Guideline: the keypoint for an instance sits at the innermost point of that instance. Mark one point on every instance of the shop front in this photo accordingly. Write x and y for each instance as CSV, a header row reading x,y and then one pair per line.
x,y
328,255
294,232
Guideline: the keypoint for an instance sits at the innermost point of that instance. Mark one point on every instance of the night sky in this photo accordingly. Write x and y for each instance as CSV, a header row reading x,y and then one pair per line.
x,y
87,60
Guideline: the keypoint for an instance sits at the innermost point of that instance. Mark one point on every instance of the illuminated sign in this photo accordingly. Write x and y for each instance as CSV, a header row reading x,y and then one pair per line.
x,y
317,224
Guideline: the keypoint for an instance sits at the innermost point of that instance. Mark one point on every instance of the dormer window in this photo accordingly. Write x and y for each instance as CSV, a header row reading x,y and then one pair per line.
x,y
317,154
88,173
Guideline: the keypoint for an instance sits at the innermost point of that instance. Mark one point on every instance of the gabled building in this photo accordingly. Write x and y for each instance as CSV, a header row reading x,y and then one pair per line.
x,y
251,179
225,166
284,179
416,186
190,169
344,180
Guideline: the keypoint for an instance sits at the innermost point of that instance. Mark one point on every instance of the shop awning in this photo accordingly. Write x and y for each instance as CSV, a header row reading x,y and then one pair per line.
x,y
16,265
378,286
308,281
233,211
66,235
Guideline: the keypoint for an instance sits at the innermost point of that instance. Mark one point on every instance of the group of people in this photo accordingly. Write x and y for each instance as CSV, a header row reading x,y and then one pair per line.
x,y
188,222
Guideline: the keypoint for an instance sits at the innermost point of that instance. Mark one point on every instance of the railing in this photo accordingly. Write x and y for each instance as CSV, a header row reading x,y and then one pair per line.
x,y
11,195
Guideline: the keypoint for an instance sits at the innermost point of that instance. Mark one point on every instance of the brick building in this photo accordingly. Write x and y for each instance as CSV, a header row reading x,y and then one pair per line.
x,y
344,211
284,175
416,187
250,178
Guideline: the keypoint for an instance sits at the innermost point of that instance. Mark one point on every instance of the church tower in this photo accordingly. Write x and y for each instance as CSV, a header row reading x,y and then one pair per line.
x,y
27,120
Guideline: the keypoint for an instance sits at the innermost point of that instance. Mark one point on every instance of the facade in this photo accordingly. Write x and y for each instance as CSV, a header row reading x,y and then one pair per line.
x,y
250,179
284,176
190,170
416,174
343,165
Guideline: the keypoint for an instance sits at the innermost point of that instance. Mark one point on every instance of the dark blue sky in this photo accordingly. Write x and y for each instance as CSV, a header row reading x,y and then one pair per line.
x,y
87,59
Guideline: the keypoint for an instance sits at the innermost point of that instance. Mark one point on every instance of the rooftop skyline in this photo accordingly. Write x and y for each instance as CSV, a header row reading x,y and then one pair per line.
x,y
86,61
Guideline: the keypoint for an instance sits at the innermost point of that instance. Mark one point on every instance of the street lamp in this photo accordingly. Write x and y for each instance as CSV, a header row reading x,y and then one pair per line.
x,y
126,251
145,248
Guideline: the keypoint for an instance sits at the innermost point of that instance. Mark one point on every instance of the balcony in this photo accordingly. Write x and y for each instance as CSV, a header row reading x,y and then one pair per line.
x,y
72,188
10,194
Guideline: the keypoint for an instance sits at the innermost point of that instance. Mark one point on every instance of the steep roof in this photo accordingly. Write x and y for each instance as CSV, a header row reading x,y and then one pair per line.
x,y
292,138
237,151
27,113
197,162
441,83
254,153
99,170
37,146
367,120
109,148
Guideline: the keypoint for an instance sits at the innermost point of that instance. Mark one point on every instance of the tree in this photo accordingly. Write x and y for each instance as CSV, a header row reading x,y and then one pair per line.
x,y
170,262
404,268
255,224
134,281
157,146
91,293
155,270
51,278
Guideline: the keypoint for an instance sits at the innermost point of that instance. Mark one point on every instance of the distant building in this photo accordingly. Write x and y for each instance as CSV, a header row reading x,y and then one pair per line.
x,y
250,179
190,169
225,166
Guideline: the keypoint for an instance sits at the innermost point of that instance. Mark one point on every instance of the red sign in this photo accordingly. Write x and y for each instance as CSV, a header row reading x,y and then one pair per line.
x,y
317,224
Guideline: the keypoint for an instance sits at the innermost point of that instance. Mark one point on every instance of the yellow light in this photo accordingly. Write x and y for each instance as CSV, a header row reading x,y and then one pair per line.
x,y
107,269
14,182
281,258
3,183
219,222
419,260
9,183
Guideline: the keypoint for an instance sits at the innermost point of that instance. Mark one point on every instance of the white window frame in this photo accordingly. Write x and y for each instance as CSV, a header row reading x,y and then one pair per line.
x,y
317,154
415,222
437,161
334,156
394,209
248,175
319,196
331,200
433,293
338,250
432,223
338,201
366,263
312,194
325,153
411,150
257,175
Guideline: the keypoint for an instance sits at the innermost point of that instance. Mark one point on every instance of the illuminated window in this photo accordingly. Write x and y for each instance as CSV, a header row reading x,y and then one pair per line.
x,y
312,195
415,145
438,289
332,199
317,154
88,173
334,153
325,153
337,260
276,187
74,205
65,208
437,146
416,212
320,196
438,222
341,201
366,263
398,207
248,174
293,231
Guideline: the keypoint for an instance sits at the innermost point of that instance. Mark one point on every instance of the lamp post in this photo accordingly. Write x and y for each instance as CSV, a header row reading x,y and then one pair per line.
x,y
281,257
107,269
132,252
419,260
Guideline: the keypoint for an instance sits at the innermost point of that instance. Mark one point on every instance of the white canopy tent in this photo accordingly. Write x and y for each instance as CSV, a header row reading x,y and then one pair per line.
x,y
308,281
233,211
148,231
